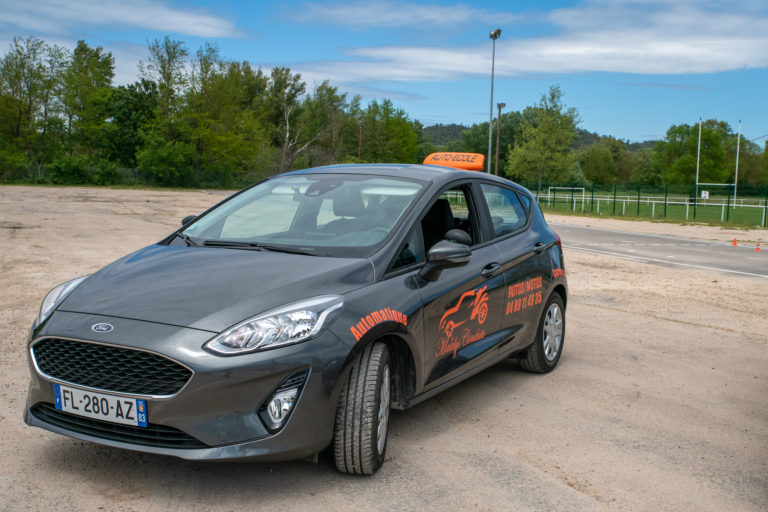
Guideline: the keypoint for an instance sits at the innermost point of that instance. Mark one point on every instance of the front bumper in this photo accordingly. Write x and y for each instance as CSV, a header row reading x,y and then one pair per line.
x,y
218,407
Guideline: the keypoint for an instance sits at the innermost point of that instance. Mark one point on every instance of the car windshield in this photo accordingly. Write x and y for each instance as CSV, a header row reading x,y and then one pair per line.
x,y
324,214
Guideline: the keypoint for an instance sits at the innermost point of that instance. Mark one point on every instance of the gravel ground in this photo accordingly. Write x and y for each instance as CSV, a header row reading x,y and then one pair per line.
x,y
659,401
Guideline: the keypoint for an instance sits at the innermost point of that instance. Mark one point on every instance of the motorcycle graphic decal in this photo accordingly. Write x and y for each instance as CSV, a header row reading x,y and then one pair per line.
x,y
469,313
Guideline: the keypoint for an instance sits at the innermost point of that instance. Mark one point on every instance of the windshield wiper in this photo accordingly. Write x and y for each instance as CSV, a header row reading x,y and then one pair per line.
x,y
187,239
256,245
282,248
227,243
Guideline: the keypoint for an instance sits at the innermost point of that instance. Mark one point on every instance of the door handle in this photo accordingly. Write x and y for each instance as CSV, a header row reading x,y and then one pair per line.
x,y
539,247
491,270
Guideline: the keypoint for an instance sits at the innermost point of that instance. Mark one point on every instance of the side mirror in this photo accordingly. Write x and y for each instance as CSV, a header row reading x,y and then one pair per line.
x,y
186,220
445,254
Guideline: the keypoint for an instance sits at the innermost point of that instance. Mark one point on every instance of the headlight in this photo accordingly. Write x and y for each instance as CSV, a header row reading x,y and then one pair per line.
x,y
289,324
55,297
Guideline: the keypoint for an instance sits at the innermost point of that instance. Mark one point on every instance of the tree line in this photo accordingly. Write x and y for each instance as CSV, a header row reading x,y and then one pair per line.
x,y
543,143
199,119
190,120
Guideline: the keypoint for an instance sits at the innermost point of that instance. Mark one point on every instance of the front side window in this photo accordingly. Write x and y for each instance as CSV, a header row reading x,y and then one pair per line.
x,y
452,210
324,214
507,213
410,252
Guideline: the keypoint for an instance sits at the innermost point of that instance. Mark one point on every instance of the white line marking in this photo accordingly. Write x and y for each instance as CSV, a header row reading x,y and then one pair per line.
x,y
703,242
643,259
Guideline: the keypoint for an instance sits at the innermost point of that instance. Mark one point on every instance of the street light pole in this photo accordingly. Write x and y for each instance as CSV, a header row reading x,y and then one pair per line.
x,y
495,34
498,134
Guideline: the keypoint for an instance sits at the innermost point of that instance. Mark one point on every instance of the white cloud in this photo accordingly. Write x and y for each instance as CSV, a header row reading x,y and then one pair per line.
x,y
365,15
643,37
57,16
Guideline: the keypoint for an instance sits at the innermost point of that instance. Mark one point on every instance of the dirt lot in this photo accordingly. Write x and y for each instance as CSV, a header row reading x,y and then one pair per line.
x,y
659,402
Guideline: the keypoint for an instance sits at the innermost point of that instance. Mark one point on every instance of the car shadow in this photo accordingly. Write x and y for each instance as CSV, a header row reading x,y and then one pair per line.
x,y
124,476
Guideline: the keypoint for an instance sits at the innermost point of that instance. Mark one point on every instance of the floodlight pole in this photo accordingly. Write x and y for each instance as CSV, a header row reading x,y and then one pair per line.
x,y
498,134
495,34
736,178
698,158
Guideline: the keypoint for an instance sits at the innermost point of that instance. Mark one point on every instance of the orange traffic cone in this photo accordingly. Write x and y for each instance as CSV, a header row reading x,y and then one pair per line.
x,y
758,247
735,243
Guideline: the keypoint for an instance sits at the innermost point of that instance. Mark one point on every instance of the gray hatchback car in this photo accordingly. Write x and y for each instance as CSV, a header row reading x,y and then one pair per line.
x,y
295,314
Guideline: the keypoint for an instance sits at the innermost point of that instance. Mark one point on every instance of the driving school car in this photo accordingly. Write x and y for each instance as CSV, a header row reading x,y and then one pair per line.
x,y
295,314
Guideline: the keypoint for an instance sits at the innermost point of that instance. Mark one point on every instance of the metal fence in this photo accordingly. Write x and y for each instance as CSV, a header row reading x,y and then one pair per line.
x,y
747,205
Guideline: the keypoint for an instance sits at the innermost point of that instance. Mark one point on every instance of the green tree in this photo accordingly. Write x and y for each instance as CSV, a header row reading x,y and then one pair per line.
x,y
282,108
676,155
229,139
765,163
326,120
644,169
86,88
166,67
22,84
49,123
388,135
130,108
546,136
751,164
599,164
167,154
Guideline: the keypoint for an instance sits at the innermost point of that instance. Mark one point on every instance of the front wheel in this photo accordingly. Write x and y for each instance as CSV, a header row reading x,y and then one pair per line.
x,y
542,356
362,414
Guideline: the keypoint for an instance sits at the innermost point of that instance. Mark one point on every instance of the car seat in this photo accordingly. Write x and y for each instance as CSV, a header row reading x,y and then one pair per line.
x,y
437,222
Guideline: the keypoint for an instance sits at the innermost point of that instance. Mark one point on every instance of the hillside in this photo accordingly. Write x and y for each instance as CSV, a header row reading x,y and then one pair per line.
x,y
442,134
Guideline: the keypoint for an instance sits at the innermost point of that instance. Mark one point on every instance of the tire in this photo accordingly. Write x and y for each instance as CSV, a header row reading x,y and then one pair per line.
x,y
362,414
542,356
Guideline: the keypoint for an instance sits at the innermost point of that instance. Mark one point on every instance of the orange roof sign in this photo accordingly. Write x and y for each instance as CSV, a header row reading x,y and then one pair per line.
x,y
467,161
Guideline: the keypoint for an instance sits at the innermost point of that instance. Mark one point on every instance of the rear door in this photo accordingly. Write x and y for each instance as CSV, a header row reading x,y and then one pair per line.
x,y
524,259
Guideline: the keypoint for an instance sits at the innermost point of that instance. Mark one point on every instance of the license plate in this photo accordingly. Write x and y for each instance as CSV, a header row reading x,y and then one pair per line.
x,y
100,406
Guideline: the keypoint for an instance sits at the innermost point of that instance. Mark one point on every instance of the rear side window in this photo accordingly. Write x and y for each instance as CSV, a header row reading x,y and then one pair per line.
x,y
526,201
507,214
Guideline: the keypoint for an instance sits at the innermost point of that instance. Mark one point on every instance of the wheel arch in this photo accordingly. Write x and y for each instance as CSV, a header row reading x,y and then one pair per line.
x,y
560,290
402,360
403,370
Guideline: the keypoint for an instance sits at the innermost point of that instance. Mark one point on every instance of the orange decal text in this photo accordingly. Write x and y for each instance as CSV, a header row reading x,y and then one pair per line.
x,y
367,322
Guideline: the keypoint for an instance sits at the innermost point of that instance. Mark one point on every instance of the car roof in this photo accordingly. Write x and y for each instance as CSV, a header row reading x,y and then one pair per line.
x,y
435,173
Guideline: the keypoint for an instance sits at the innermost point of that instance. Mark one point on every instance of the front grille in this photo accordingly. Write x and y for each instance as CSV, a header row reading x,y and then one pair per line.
x,y
110,368
151,435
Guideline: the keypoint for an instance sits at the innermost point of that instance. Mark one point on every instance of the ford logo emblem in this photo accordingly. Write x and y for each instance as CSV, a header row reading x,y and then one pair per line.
x,y
102,327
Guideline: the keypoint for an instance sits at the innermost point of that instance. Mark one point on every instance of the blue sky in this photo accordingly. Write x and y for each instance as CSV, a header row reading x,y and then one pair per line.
x,y
631,68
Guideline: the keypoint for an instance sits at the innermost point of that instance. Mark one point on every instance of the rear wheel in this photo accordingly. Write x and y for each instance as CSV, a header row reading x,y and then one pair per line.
x,y
362,414
542,356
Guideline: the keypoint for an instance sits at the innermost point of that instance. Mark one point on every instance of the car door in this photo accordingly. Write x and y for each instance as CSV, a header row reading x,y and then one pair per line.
x,y
525,263
463,307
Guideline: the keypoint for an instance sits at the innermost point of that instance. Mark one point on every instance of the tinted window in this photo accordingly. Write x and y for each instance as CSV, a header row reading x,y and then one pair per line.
x,y
507,214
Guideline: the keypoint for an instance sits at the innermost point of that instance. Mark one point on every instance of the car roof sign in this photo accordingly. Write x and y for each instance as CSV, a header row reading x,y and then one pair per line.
x,y
466,161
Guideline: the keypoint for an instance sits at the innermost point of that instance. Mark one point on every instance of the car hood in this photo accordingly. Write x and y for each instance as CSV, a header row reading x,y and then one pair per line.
x,y
211,288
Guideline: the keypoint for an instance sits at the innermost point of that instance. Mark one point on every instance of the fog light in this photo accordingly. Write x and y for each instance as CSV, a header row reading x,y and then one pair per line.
x,y
281,404
274,412
279,407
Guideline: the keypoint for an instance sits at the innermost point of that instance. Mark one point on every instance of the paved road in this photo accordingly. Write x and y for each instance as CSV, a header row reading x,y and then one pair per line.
x,y
666,250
